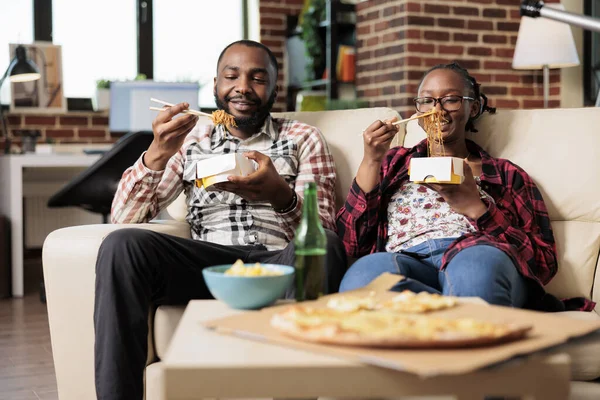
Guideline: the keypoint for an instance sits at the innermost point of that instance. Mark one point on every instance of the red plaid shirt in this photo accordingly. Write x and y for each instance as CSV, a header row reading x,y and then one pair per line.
x,y
517,223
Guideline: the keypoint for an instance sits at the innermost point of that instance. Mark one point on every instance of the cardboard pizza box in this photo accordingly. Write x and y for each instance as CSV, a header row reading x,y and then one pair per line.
x,y
217,169
436,170
549,330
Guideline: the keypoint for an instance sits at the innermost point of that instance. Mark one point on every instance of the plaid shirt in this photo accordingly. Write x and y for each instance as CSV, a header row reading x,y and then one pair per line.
x,y
516,222
299,153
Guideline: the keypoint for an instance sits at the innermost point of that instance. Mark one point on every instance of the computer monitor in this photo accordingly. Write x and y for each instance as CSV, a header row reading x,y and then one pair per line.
x,y
130,102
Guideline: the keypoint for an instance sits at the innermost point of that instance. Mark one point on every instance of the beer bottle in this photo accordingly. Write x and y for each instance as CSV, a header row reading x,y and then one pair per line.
x,y
310,245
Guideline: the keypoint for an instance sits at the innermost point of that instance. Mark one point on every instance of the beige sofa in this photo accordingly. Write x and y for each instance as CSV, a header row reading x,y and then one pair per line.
x,y
559,148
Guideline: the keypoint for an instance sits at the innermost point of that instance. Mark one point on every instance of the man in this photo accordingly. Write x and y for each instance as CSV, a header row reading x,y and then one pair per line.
x,y
251,218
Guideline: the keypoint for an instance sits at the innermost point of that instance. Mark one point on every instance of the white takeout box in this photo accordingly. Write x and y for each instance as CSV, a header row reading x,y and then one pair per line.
x,y
436,170
217,169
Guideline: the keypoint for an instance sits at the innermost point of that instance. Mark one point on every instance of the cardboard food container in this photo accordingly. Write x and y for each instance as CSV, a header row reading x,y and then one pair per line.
x,y
548,330
217,169
436,170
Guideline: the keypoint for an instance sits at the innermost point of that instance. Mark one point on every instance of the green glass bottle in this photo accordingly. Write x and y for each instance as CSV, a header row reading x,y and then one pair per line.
x,y
310,245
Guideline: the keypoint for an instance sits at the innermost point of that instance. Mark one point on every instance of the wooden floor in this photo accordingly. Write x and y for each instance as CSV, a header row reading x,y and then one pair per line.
x,y
26,368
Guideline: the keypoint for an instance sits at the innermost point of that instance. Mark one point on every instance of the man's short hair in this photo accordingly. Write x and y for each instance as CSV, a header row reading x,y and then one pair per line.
x,y
252,43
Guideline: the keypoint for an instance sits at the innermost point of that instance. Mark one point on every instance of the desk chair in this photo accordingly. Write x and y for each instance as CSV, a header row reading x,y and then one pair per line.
x,y
94,188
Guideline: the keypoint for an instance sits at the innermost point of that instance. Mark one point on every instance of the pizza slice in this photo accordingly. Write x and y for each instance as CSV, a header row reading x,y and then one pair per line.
x,y
410,302
351,303
405,302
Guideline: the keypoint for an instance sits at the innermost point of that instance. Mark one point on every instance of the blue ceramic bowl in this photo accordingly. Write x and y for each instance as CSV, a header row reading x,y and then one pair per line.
x,y
248,292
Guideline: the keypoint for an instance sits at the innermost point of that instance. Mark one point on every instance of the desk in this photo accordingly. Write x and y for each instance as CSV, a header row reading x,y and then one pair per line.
x,y
11,198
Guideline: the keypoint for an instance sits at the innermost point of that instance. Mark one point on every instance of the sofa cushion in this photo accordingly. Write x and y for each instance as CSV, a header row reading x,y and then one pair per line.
x,y
577,245
342,129
153,382
166,320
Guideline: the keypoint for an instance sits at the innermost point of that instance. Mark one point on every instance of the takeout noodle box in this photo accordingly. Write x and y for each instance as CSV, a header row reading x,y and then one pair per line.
x,y
548,330
217,169
436,170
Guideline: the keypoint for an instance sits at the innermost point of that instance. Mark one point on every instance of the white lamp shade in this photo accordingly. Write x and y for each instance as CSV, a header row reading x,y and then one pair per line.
x,y
542,42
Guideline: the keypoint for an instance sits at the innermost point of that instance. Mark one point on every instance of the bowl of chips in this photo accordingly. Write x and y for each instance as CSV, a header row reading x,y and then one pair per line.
x,y
248,286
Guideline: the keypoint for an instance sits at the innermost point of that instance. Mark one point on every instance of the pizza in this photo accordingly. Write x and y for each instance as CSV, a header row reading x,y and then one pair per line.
x,y
385,329
422,302
405,302
350,303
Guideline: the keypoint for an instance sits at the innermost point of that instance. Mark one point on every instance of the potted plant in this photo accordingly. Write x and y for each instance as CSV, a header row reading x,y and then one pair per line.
x,y
311,17
102,94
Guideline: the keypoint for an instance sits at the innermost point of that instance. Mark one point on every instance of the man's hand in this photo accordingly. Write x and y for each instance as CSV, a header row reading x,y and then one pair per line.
x,y
463,198
264,184
377,139
169,134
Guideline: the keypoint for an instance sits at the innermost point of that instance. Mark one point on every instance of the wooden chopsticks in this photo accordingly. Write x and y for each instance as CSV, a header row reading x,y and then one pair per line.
x,y
402,121
194,112
427,114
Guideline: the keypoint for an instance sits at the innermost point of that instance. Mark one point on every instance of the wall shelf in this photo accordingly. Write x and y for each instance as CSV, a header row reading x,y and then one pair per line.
x,y
337,29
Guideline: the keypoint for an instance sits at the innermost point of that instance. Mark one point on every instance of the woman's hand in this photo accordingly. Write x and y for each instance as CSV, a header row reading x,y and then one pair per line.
x,y
463,198
377,139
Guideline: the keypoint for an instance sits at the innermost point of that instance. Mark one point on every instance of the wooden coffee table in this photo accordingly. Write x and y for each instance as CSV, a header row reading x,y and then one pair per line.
x,y
201,363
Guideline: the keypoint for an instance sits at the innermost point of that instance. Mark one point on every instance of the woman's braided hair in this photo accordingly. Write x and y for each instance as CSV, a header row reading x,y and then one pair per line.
x,y
473,87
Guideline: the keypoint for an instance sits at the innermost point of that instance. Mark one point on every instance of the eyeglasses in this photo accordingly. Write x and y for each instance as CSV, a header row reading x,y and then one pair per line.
x,y
448,103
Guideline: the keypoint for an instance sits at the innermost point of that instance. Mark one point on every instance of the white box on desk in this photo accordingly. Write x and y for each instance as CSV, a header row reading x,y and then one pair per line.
x,y
130,101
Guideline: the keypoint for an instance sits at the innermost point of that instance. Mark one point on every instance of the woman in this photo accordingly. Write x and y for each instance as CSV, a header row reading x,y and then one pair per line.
x,y
488,237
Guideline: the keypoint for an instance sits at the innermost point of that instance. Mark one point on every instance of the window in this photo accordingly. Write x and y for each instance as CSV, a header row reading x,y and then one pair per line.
x,y
16,26
174,40
187,51
101,45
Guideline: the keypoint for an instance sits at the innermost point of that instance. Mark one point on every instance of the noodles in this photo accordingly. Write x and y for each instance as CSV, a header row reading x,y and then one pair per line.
x,y
433,127
222,118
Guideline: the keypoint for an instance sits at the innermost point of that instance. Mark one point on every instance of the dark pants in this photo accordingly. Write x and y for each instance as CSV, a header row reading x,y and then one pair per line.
x,y
138,269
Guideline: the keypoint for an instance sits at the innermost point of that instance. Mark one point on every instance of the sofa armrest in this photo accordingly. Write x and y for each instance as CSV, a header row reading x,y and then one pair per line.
x,y
69,260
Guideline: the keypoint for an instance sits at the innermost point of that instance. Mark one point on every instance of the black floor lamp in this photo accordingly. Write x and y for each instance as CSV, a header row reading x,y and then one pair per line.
x,y
20,69
537,9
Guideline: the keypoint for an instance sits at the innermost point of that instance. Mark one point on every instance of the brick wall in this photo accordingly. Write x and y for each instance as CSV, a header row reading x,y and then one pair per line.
x,y
272,34
75,127
397,40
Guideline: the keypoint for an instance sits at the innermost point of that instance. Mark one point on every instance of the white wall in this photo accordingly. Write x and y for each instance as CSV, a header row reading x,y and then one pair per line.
x,y
253,20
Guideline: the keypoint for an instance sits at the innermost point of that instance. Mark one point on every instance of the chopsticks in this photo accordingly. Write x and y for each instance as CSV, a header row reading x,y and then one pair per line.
x,y
427,114
402,121
194,112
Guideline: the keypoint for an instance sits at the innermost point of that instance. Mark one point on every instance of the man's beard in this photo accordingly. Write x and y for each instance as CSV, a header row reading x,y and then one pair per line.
x,y
257,118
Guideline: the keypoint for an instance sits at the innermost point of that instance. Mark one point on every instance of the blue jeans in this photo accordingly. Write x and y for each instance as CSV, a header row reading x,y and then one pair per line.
x,y
480,271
